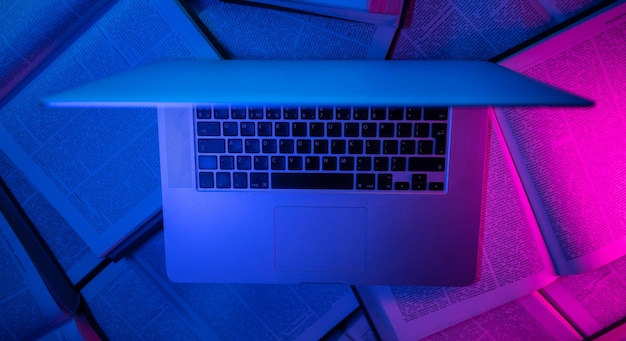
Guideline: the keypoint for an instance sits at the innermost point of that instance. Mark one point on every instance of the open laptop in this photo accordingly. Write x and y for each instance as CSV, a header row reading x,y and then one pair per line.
x,y
359,172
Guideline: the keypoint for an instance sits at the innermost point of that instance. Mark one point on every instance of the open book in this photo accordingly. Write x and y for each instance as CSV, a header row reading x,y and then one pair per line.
x,y
555,200
76,158
450,29
37,300
248,31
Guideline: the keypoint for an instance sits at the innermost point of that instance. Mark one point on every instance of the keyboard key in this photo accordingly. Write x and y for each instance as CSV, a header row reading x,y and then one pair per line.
x,y
385,181
439,130
427,164
255,113
203,113
360,113
320,146
421,130
398,164
435,186
418,178
211,145
298,129
338,146
222,180
325,113
273,113
252,146
396,113
227,162
247,128
207,162
372,147
221,112
435,113
294,162
425,147
381,163
260,163
413,113
404,130
316,129
235,146
355,147
240,180
407,147
364,163
365,181
238,113
208,128
401,186
390,147
379,113
329,163
281,128
386,130
286,146
290,113
333,129
277,162
244,162
440,146
312,180
312,163
351,130
368,129
205,180
229,129
269,146
343,113
307,113
265,129
259,180
303,146
346,163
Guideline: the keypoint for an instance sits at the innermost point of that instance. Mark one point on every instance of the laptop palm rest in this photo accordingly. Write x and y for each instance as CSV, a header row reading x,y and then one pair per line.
x,y
320,239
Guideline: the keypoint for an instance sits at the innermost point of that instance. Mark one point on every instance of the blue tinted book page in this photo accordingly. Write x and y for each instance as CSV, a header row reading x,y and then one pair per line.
x,y
138,292
571,160
74,256
28,308
251,32
514,262
99,168
33,30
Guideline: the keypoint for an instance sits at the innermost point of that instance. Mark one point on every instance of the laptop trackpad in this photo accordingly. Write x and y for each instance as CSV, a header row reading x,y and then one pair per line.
x,y
320,239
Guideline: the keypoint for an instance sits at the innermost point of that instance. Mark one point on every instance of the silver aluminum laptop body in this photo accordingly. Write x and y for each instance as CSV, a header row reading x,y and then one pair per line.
x,y
355,236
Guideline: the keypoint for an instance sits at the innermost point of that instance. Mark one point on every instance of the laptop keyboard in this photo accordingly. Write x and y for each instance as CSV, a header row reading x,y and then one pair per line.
x,y
312,148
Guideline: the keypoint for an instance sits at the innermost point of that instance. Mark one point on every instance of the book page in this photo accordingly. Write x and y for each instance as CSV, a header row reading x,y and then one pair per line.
x,y
26,40
514,262
99,167
28,308
570,159
74,256
475,30
593,300
528,318
209,311
250,32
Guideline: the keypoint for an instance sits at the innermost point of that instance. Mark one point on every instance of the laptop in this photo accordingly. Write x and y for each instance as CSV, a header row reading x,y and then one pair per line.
x,y
357,172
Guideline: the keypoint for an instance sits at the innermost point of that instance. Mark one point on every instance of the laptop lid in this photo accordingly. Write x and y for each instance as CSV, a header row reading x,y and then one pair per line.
x,y
428,83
